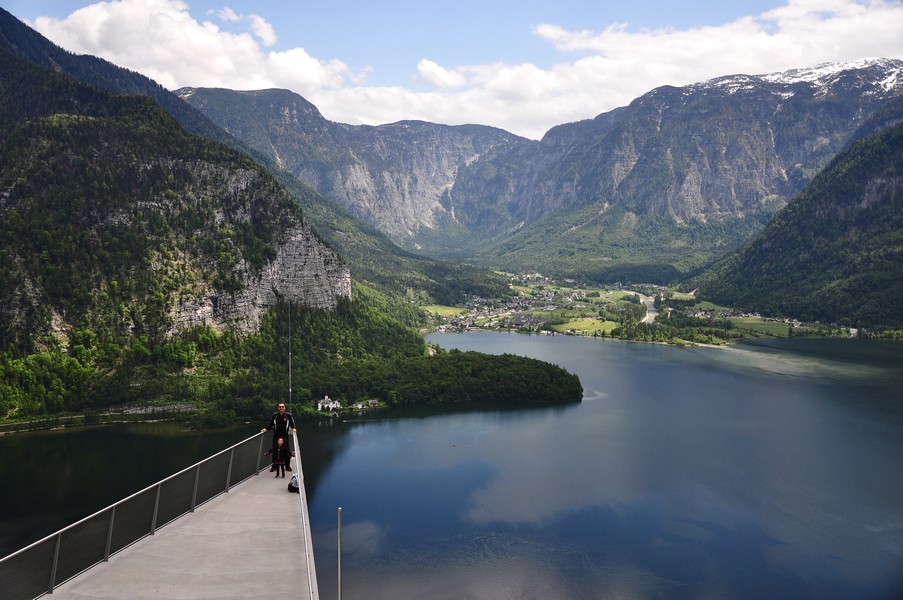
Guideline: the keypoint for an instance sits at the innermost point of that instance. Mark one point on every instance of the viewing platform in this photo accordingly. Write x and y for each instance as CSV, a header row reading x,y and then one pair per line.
x,y
248,540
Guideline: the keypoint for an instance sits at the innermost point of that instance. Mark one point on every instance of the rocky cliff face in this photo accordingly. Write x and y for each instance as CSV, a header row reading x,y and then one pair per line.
x,y
699,153
300,267
304,271
403,169
708,162
392,176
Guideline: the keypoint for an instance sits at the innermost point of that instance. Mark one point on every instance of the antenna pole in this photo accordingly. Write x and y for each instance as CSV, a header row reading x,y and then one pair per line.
x,y
290,408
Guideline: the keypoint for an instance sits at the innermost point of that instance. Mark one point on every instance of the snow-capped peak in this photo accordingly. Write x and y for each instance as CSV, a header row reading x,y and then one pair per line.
x,y
826,71
820,75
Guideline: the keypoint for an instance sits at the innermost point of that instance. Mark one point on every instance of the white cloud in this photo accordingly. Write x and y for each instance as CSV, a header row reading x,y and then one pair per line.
x,y
440,76
296,70
801,33
598,71
226,14
160,39
258,25
263,30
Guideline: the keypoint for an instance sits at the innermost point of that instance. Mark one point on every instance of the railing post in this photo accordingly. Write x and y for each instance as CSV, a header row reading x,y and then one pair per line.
x,y
229,471
194,493
340,553
156,508
259,455
106,551
56,559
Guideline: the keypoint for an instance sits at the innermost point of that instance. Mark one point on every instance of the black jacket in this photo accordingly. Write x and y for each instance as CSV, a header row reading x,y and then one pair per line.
x,y
281,454
280,424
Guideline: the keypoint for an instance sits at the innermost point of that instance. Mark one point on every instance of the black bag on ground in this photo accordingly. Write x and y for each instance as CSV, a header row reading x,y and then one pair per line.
x,y
293,486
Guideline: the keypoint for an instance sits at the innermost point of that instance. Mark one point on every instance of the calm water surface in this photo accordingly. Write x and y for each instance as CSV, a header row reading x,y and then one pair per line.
x,y
758,471
51,479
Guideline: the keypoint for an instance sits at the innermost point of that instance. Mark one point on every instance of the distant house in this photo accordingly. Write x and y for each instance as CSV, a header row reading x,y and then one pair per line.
x,y
370,404
328,405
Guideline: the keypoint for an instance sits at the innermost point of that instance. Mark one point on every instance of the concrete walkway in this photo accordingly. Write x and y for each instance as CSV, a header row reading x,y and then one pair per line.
x,y
251,542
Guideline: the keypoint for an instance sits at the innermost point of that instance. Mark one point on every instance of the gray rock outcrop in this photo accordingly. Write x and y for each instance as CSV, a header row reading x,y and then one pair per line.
x,y
304,271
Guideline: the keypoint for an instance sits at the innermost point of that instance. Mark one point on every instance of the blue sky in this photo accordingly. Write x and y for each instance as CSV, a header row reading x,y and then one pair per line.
x,y
524,66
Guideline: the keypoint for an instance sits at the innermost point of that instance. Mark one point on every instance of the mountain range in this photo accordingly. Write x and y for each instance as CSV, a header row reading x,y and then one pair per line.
x,y
150,257
652,191
372,256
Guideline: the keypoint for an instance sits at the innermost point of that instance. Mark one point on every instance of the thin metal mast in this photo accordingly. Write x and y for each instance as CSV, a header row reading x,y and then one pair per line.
x,y
290,408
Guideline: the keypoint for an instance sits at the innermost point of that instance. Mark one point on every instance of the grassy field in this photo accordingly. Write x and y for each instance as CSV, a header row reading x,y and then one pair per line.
x,y
444,311
615,295
762,326
585,326
705,305
683,296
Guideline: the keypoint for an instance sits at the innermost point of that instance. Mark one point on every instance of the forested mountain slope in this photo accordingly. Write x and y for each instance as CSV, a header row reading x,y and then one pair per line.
x,y
372,256
26,43
141,263
116,219
835,253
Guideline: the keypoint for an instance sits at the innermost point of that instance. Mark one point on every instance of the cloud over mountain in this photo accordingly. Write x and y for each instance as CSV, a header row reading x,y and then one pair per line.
x,y
598,69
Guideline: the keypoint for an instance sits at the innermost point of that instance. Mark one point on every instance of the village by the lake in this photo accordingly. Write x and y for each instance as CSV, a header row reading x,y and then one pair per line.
x,y
547,306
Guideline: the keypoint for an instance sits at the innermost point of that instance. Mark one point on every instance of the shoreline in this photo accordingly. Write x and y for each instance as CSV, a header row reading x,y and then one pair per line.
x,y
682,344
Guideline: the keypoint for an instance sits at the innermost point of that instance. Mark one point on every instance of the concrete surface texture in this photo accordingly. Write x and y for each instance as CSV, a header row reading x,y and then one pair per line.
x,y
247,543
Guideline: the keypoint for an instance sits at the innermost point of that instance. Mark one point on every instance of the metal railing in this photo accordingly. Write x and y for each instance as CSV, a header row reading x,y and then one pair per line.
x,y
37,569
312,586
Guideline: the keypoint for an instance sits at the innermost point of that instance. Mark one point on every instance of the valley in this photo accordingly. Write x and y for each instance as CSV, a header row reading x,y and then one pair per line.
x,y
183,253
174,248
652,191
546,306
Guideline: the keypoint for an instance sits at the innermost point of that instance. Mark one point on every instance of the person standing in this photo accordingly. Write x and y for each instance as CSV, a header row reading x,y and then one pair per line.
x,y
281,422
281,457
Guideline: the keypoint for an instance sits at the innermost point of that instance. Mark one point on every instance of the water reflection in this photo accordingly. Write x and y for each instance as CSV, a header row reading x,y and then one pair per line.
x,y
689,473
764,470
840,360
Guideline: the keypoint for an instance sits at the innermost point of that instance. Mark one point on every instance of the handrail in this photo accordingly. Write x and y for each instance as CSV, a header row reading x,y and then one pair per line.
x,y
138,493
313,587
93,536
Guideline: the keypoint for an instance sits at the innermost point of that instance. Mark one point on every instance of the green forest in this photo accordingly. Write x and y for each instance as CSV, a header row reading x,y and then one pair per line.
x,y
112,213
362,351
834,254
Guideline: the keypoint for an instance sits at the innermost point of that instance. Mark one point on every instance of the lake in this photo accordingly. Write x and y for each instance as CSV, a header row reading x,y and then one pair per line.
x,y
771,470
765,470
